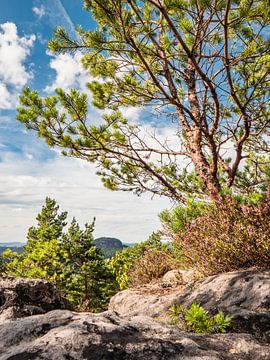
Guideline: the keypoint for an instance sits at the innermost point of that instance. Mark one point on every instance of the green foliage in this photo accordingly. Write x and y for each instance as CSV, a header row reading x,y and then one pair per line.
x,y
50,224
8,256
88,282
70,260
229,235
197,319
124,262
177,218
17,249
206,66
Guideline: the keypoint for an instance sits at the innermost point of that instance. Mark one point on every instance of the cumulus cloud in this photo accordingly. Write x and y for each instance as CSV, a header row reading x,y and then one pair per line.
x,y
13,73
39,11
69,72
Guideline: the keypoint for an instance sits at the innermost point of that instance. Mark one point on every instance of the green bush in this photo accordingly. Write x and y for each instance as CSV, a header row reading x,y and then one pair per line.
x,y
125,264
230,235
197,319
176,219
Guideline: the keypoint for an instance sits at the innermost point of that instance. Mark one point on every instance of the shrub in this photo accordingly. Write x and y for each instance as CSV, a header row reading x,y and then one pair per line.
x,y
176,219
152,265
126,265
197,319
229,236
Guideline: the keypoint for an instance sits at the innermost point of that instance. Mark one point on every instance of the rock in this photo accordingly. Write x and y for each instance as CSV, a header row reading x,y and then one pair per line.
x,y
147,300
181,277
62,334
109,246
244,295
21,297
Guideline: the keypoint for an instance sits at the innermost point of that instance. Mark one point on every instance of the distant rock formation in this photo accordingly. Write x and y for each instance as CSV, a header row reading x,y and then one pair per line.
x,y
109,246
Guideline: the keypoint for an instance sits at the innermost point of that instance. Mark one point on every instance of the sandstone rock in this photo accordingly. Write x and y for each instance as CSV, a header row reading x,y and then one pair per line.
x,y
148,300
179,276
62,334
245,295
21,297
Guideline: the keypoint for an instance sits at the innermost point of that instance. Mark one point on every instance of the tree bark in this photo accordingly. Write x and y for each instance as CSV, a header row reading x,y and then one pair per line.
x,y
204,169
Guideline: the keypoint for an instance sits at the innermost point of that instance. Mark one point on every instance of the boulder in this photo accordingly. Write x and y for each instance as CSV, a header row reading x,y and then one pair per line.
x,y
244,295
62,334
21,297
183,277
147,300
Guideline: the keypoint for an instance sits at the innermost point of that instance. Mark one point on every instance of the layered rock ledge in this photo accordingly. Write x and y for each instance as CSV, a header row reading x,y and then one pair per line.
x,y
129,330
60,334
20,297
244,295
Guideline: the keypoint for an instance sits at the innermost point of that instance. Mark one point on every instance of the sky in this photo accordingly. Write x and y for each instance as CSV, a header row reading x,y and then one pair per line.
x,y
29,170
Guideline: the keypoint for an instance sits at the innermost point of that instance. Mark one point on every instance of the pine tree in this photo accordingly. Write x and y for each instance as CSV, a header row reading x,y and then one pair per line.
x,y
69,260
202,65
43,256
50,224
89,282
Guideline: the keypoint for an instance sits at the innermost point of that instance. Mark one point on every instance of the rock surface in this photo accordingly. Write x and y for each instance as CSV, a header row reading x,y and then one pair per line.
x,y
21,297
62,334
245,295
109,246
179,277
67,335
147,300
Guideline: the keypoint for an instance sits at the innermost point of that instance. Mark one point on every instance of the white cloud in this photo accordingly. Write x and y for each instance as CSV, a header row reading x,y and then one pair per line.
x,y
69,72
39,11
24,185
132,113
5,97
13,73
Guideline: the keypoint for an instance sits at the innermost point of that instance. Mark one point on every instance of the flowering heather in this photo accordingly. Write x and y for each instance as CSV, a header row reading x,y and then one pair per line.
x,y
228,236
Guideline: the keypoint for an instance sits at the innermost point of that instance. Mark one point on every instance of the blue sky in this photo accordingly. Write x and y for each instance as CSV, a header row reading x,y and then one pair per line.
x,y
29,170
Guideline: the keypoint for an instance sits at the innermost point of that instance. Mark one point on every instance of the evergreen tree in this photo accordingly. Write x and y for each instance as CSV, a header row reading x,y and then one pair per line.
x,y
43,255
89,282
69,260
203,64
50,224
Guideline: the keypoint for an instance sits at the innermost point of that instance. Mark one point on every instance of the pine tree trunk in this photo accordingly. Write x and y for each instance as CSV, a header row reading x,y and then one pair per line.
x,y
206,171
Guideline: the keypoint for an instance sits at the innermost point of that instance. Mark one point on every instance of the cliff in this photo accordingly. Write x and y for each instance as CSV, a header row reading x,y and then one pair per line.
x,y
109,246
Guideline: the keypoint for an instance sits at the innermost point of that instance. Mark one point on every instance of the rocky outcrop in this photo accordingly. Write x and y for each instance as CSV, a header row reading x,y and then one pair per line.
x,y
147,300
67,335
109,246
245,295
21,297
62,334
